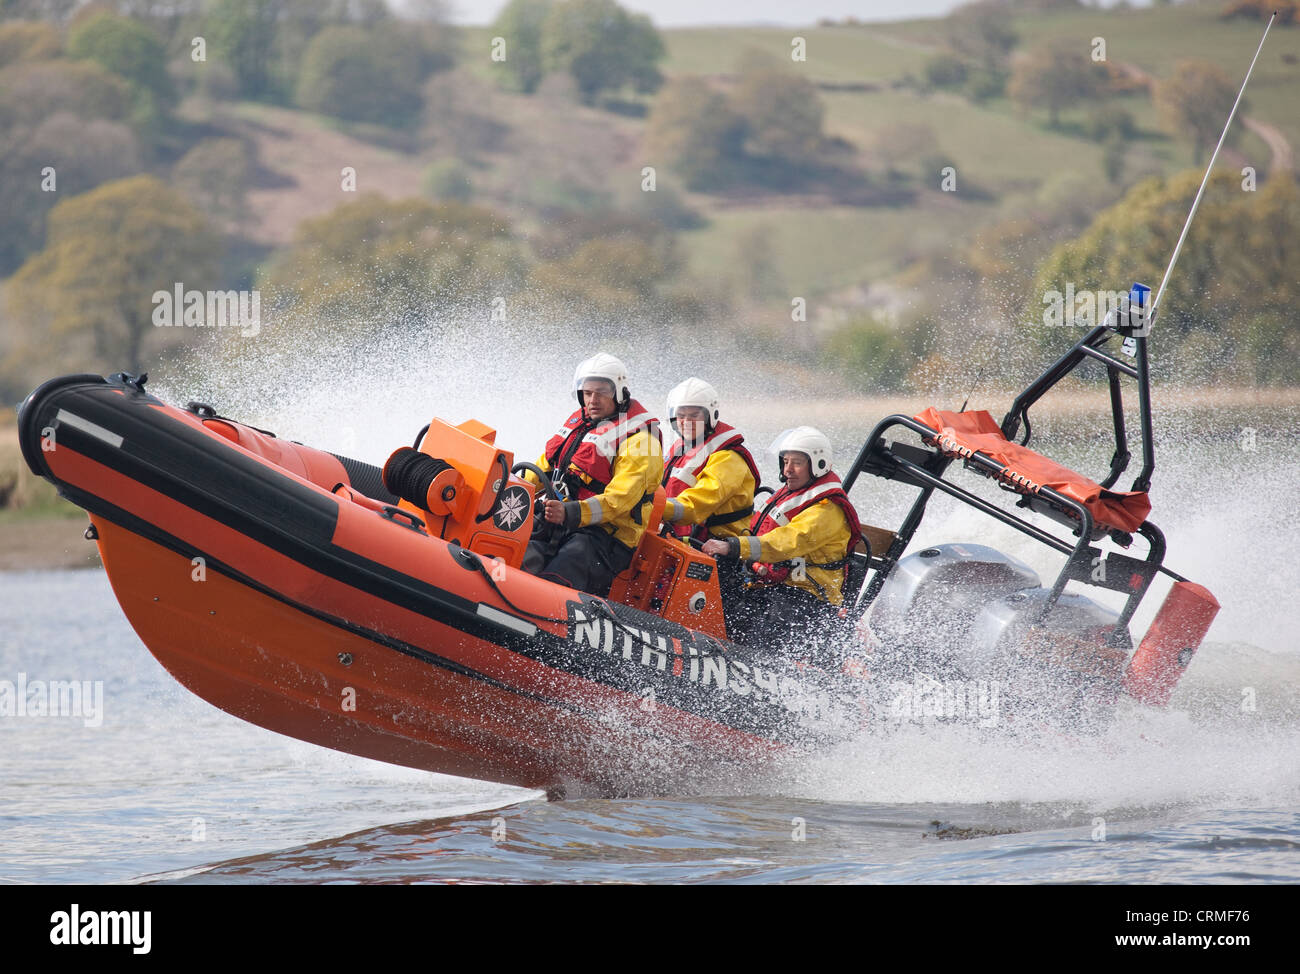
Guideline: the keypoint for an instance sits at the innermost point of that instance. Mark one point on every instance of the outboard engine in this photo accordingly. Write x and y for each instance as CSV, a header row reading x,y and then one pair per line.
x,y
1069,663
923,614
1001,628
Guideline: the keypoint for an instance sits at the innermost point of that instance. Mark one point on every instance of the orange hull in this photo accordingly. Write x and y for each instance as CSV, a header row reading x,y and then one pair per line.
x,y
328,620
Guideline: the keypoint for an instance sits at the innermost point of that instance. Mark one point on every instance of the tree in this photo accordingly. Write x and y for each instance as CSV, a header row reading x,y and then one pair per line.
x,y
783,117
1054,77
982,31
610,276
693,129
28,41
88,294
30,92
602,47
520,25
131,50
1238,261
366,75
244,35
1194,102
378,260
53,145
945,71
78,156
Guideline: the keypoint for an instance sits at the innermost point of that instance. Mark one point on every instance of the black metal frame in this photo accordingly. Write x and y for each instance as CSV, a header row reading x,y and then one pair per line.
x,y
924,468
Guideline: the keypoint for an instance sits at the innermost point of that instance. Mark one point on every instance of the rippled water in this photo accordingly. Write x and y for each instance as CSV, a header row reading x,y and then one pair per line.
x,y
169,788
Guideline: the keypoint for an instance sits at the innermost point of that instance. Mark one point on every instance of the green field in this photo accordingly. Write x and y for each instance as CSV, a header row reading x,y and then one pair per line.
x,y
825,250
1156,38
995,147
833,54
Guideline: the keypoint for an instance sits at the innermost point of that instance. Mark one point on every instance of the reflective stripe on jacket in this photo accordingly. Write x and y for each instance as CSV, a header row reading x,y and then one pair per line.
x,y
608,470
817,524
710,486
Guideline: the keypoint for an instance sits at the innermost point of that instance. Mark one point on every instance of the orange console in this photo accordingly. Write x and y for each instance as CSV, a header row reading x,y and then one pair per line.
x,y
672,580
459,482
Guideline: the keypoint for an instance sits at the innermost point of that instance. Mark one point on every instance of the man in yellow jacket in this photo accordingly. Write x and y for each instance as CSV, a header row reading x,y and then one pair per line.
x,y
799,546
709,476
605,463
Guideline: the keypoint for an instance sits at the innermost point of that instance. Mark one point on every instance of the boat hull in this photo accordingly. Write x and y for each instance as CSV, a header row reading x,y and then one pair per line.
x,y
301,611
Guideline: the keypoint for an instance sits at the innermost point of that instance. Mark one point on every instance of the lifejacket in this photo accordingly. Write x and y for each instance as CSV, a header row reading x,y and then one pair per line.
x,y
682,468
581,454
786,504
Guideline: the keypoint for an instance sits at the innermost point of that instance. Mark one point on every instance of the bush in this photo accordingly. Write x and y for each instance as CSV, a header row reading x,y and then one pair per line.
x,y
945,71
870,352
1107,121
28,41
130,50
986,83
602,47
448,179
362,75
1287,11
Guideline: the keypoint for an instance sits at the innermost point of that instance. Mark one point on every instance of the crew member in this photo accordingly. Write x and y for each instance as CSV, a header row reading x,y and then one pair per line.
x,y
798,546
709,476
605,463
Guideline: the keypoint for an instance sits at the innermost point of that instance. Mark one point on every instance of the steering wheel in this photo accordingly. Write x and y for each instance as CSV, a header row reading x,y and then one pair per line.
x,y
548,487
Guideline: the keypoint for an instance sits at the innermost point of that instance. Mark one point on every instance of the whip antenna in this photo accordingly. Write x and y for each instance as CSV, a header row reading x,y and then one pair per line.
x,y
1208,169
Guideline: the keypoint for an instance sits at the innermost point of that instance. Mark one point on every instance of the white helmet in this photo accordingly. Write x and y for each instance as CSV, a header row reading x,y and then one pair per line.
x,y
602,365
808,441
693,392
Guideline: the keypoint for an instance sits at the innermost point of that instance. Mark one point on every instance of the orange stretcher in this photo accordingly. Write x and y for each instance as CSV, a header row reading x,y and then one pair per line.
x,y
976,432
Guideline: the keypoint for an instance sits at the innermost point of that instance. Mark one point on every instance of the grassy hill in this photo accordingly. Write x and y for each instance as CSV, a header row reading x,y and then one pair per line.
x,y
820,247
991,144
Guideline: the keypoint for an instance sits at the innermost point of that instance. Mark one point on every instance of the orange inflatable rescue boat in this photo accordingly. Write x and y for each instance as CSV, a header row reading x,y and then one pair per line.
x,y
384,612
